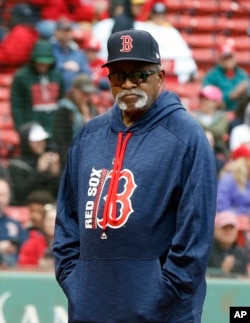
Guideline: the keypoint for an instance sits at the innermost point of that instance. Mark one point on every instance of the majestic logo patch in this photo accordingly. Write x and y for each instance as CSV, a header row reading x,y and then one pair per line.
x,y
126,44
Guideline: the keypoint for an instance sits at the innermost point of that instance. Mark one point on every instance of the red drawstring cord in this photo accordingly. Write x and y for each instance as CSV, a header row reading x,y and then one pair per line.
x,y
110,204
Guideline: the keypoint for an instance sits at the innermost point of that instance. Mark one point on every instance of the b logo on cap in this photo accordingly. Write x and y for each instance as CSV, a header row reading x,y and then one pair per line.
x,y
126,44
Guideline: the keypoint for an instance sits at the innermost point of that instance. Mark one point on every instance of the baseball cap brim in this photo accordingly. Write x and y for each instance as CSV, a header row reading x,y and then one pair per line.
x,y
130,59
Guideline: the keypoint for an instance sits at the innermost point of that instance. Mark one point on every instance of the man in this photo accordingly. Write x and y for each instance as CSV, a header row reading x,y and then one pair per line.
x,y
36,89
228,76
70,59
74,110
12,235
137,200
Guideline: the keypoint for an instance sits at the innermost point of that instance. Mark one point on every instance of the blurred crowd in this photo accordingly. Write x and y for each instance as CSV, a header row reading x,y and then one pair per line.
x,y
52,53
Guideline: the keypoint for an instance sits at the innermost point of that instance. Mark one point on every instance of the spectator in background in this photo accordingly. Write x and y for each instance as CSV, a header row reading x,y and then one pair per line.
x,y
47,260
17,44
122,19
228,76
36,202
103,99
234,183
70,59
240,126
220,159
91,48
38,167
212,117
74,111
174,50
36,249
12,235
226,257
36,89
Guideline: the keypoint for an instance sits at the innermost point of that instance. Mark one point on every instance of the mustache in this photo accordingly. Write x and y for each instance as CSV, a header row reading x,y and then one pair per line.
x,y
120,95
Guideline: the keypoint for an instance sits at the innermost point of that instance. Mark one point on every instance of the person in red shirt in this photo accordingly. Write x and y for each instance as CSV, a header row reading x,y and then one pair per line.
x,y
36,249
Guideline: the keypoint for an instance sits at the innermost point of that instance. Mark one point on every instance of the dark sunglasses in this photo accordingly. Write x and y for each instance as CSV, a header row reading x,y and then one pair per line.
x,y
135,77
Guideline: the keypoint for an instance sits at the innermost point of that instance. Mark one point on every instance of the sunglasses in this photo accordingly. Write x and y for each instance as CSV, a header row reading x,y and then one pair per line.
x,y
135,77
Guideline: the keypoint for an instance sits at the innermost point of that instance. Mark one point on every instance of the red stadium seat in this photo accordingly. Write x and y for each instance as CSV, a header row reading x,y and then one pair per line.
x,y
5,80
4,93
201,7
199,40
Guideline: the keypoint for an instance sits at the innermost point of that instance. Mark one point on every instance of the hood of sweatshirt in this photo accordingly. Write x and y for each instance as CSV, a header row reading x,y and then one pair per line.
x,y
42,52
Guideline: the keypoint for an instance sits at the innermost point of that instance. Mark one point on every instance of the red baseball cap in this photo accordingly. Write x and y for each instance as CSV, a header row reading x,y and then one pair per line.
x,y
92,44
226,49
241,151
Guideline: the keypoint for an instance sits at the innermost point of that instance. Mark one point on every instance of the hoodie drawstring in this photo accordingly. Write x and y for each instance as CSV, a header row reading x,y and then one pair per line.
x,y
110,204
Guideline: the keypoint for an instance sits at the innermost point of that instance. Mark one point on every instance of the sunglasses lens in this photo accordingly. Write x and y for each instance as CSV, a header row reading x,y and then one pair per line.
x,y
134,77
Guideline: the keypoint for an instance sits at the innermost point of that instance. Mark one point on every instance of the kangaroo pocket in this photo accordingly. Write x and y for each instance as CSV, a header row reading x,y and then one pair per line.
x,y
117,291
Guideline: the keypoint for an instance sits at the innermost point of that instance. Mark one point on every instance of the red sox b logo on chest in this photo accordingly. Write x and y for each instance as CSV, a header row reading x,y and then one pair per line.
x,y
126,44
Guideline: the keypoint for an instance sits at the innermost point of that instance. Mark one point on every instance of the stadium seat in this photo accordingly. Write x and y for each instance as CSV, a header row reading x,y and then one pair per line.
x,y
240,42
6,121
5,79
238,25
201,7
199,40
4,93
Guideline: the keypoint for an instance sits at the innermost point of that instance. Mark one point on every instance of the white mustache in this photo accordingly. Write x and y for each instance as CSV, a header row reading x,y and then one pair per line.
x,y
128,92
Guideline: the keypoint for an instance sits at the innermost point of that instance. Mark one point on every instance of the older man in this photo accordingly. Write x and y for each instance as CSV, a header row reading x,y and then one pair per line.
x,y
137,200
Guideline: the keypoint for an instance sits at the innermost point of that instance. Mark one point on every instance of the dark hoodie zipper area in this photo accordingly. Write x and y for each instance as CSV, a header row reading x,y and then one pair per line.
x,y
110,204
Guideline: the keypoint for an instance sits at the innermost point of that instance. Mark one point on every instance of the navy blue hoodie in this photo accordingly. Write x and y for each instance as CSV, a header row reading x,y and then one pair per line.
x,y
135,218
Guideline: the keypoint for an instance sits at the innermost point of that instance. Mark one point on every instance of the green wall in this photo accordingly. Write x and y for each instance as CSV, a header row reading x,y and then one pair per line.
x,y
31,297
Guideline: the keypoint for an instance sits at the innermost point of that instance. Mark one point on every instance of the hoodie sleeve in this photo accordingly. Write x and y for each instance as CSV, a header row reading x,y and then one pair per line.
x,y
66,241
186,263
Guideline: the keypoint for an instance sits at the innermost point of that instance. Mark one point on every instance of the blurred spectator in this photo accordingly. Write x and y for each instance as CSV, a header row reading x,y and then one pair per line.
x,y
228,76
36,88
36,249
36,202
175,50
47,260
74,110
158,14
12,235
220,159
238,114
234,183
240,127
38,167
103,99
91,48
120,19
226,257
125,20
70,59
20,28
212,118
